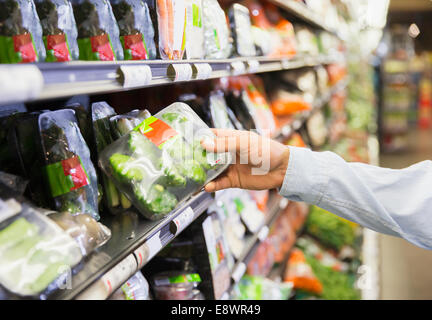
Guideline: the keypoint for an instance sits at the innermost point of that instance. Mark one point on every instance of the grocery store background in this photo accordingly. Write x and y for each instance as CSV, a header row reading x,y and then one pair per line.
x,y
350,76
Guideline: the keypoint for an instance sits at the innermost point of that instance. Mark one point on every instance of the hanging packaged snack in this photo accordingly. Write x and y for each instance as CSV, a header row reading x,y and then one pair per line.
x,y
20,32
176,285
69,174
59,30
216,31
136,29
98,32
172,28
161,161
136,288
101,113
36,254
240,22
194,30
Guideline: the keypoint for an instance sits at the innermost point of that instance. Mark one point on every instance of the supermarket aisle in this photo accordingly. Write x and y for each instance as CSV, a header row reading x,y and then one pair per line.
x,y
405,268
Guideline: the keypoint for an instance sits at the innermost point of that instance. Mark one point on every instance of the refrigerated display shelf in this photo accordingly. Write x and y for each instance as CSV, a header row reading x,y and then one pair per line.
x,y
44,81
134,242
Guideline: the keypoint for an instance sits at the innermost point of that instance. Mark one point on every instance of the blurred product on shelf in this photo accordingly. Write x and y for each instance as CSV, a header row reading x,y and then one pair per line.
x,y
176,285
296,140
59,30
194,30
135,288
98,32
136,29
261,288
20,32
239,18
216,31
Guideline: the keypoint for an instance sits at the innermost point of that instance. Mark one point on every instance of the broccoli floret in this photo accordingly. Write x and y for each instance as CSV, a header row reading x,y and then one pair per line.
x,y
125,167
156,199
192,170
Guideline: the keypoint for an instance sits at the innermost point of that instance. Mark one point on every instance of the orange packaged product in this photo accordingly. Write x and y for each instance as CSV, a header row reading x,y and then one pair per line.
x,y
300,273
283,237
263,260
286,103
296,140
261,198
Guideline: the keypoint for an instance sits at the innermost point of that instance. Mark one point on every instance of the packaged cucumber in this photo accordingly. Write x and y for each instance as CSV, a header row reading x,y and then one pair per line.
x,y
241,29
161,162
36,254
216,31
136,29
59,30
20,32
98,32
69,174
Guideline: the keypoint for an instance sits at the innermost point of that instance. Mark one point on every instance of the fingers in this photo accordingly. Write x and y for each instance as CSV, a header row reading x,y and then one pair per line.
x,y
223,182
227,132
222,144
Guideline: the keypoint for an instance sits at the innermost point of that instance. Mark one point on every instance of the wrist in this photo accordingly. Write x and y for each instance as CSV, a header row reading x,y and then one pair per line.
x,y
282,168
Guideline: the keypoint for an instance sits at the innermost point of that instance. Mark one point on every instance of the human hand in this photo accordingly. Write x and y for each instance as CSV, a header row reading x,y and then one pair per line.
x,y
259,163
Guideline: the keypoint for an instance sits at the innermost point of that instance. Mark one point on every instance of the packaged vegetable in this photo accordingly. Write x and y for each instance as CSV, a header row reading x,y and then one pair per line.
x,y
69,173
161,161
86,231
216,31
194,30
218,111
300,273
20,32
284,102
175,285
98,32
36,253
59,30
241,29
252,217
262,288
136,29
135,288
172,22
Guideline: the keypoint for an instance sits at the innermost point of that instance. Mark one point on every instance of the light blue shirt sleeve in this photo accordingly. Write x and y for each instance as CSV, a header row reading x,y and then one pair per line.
x,y
394,202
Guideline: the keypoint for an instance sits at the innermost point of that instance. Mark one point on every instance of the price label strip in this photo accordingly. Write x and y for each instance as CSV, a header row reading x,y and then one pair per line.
x,y
238,67
179,223
21,82
148,250
201,71
253,66
131,76
263,233
114,278
238,272
179,72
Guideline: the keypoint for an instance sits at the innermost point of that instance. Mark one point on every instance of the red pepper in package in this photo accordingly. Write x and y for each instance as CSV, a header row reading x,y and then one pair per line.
x,y
287,103
300,273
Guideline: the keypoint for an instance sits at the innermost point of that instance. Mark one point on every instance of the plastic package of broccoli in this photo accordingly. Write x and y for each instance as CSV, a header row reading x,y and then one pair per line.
x,y
161,163
20,32
136,29
69,173
59,30
98,32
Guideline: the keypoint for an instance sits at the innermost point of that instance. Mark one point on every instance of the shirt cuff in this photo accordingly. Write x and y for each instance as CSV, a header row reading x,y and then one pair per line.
x,y
306,176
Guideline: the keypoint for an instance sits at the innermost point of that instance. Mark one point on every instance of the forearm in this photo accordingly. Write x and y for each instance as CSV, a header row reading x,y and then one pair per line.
x,y
394,202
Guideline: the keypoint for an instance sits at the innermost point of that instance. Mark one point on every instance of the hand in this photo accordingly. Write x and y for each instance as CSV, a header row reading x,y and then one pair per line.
x,y
259,163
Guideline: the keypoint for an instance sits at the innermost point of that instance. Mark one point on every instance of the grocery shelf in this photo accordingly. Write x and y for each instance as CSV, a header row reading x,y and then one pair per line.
x,y
286,131
134,242
302,12
251,244
44,81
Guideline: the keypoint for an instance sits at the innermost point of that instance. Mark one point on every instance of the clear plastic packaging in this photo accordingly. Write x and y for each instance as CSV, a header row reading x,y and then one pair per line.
x,y
241,29
161,162
194,30
218,110
68,173
216,31
98,32
20,32
59,30
172,28
87,232
136,29
34,251
136,288
176,285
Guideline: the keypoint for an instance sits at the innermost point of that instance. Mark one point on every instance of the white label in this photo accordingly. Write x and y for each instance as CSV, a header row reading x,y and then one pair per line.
x,y
183,219
253,66
120,273
285,64
19,83
9,208
238,67
239,272
180,71
202,71
263,233
135,76
283,203
148,250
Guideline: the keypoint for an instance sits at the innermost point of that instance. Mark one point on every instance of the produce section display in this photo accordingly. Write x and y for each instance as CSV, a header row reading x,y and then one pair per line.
x,y
108,192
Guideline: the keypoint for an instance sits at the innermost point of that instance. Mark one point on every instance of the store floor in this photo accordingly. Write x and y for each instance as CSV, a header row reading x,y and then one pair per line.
x,y
405,268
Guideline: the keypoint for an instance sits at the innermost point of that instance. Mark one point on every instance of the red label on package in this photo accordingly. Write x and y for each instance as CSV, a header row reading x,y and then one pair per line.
x,y
72,167
135,44
156,130
102,45
23,44
57,42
